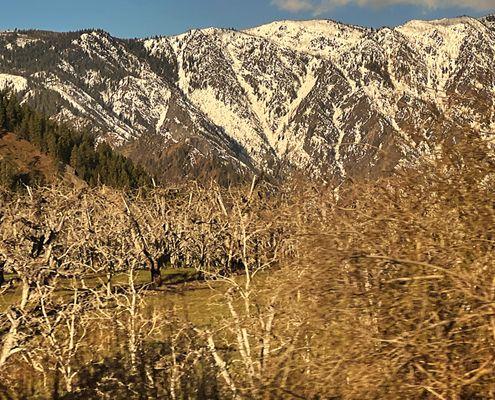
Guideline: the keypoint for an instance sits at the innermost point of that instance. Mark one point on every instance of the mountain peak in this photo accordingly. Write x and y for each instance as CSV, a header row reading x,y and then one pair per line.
x,y
319,37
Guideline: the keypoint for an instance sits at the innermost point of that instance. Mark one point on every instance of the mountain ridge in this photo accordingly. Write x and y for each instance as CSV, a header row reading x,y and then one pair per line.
x,y
330,99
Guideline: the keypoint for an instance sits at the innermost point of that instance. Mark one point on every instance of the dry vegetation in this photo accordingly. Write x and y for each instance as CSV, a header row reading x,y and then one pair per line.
x,y
382,290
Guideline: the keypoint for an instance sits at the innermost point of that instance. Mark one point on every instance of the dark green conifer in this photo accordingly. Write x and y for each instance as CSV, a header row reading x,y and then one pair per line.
x,y
94,164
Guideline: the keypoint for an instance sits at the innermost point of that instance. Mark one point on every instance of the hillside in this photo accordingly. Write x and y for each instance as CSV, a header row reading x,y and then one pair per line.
x,y
320,97
39,151
22,163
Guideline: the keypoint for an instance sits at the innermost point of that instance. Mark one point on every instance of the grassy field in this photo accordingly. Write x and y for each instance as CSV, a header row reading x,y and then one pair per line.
x,y
182,290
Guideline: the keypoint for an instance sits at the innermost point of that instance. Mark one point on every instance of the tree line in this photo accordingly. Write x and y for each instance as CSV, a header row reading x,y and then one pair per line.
x,y
95,163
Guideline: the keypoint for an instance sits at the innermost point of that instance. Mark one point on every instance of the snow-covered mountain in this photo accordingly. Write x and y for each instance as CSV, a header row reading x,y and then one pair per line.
x,y
329,99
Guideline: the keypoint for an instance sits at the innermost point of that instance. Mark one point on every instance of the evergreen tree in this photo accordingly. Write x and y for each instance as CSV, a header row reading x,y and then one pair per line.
x,y
94,164
3,117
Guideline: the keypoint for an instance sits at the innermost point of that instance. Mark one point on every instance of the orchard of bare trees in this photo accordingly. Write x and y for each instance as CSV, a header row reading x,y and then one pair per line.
x,y
372,290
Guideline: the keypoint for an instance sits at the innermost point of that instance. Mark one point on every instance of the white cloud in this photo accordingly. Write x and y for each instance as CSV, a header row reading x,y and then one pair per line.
x,y
295,6
321,6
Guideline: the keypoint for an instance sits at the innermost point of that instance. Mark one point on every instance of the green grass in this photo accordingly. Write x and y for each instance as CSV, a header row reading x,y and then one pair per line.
x,y
197,303
192,299
170,276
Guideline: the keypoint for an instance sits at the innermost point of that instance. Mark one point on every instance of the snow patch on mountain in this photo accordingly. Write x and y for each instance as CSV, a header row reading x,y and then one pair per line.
x,y
84,103
224,116
319,37
13,82
441,41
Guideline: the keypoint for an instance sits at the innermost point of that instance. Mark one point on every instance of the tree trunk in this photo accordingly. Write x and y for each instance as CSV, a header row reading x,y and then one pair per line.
x,y
156,275
10,339
56,384
26,293
2,277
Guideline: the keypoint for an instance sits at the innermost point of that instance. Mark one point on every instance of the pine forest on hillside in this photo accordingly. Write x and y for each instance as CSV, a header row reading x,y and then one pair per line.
x,y
93,163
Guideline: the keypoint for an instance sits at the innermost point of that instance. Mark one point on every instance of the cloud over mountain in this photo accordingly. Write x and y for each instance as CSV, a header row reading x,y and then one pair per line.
x,y
321,6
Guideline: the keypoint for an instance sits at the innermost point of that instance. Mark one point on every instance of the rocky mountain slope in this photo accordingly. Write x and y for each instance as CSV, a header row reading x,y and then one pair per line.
x,y
326,98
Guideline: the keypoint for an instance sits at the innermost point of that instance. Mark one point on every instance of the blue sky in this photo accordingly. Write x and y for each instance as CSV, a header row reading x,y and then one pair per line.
x,y
140,18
